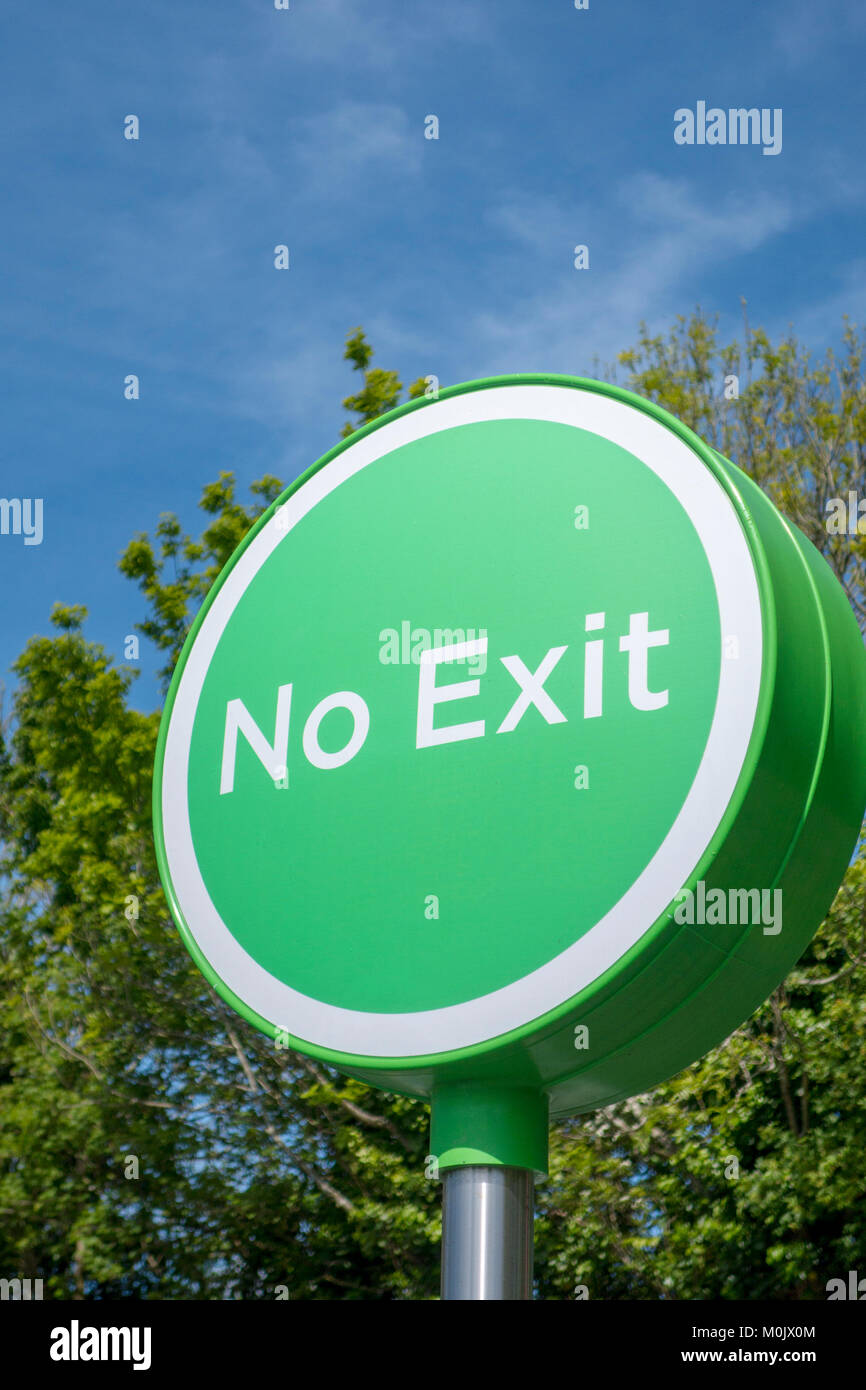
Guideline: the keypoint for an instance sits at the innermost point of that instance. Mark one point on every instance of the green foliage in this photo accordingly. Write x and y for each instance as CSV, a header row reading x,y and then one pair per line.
x,y
257,1168
174,571
381,389
798,427
175,574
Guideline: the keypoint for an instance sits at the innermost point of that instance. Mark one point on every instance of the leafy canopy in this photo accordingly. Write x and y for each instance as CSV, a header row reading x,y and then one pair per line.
x,y
153,1145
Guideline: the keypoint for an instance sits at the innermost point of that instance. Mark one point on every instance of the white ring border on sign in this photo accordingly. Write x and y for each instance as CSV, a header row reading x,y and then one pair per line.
x,y
474,1021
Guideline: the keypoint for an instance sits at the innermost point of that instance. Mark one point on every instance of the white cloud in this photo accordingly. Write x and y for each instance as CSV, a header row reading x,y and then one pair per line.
x,y
645,251
806,30
354,142
357,36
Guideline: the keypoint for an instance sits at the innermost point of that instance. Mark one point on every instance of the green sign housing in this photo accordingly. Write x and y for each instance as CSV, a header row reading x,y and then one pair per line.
x,y
513,758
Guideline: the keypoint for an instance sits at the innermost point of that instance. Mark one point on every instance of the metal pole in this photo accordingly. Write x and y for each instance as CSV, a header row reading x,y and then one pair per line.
x,y
487,1232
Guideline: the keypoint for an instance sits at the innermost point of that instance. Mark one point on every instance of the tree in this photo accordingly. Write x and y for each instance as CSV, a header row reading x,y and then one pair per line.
x,y
259,1169
153,1144
381,390
739,1178
797,427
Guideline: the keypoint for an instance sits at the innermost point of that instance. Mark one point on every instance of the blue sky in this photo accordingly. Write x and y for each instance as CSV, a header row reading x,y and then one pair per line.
x,y
306,127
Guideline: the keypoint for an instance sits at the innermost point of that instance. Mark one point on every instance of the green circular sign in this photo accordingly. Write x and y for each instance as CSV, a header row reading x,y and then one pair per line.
x,y
491,726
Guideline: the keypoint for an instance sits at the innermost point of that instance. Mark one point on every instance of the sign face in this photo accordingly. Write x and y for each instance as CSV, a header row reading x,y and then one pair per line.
x,y
458,723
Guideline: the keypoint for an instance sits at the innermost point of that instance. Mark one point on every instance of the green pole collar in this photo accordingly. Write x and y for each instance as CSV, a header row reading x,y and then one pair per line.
x,y
481,1123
